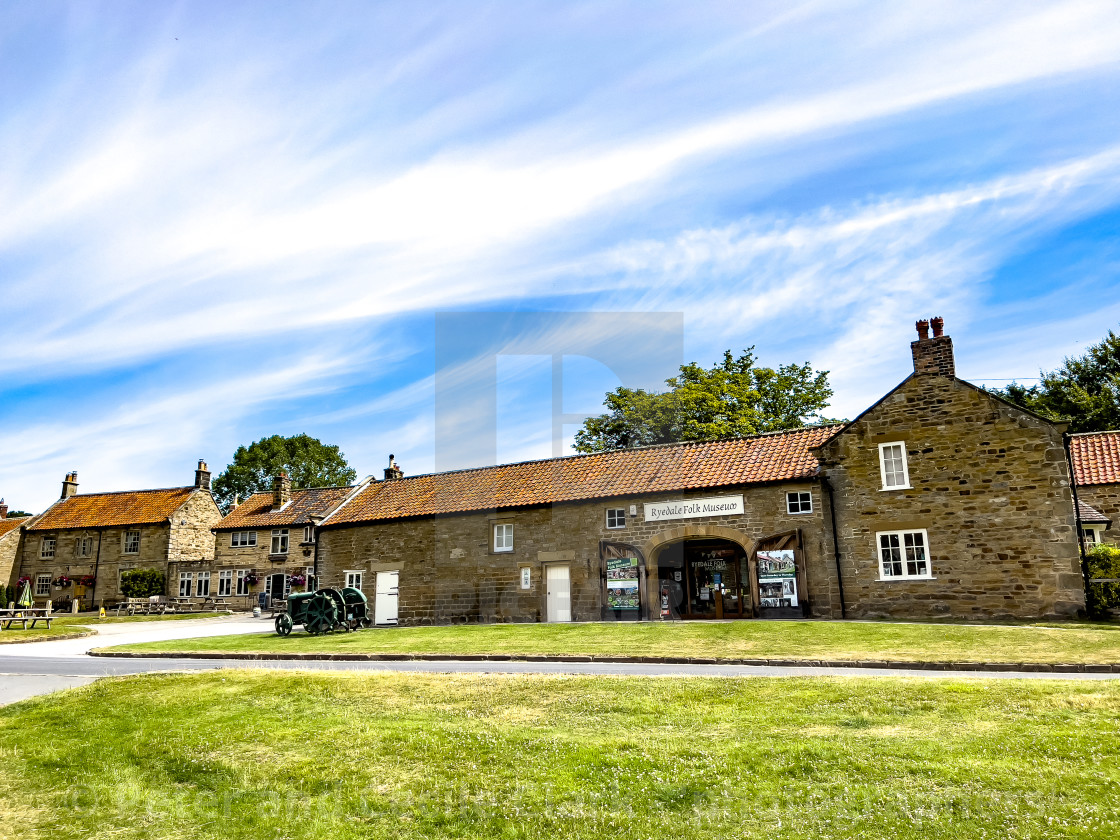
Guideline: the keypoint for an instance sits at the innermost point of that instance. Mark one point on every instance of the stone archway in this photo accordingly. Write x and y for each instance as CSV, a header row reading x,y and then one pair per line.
x,y
694,566
684,532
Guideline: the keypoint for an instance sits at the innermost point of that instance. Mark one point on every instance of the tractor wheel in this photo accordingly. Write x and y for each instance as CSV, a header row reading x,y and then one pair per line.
x,y
321,615
283,624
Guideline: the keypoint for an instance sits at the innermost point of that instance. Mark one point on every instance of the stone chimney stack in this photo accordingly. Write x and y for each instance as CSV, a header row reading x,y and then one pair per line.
x,y
393,471
70,485
202,476
281,490
933,356
3,509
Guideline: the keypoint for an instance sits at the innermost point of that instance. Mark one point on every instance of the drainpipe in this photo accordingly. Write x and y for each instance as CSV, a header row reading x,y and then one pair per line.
x,y
835,545
1077,517
315,520
96,564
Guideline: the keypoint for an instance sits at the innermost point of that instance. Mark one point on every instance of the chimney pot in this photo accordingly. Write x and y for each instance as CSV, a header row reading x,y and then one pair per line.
x,y
923,330
3,509
933,356
393,470
938,325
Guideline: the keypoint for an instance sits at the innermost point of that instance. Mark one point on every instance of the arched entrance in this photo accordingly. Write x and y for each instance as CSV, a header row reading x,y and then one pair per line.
x,y
704,577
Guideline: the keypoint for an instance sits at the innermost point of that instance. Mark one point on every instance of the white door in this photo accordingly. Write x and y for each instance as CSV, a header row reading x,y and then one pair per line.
x,y
385,601
559,598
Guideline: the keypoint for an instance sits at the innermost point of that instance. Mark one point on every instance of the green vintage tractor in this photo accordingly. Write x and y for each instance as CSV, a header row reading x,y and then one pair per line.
x,y
325,611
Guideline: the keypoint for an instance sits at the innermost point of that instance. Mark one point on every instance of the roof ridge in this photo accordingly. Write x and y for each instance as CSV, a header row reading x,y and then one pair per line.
x,y
1086,434
647,447
121,492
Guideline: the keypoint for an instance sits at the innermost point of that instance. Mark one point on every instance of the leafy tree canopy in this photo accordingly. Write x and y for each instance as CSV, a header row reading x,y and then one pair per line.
x,y
1085,390
307,461
733,398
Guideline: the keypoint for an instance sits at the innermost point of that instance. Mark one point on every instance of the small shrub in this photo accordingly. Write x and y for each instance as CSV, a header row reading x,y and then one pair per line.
x,y
1101,598
142,583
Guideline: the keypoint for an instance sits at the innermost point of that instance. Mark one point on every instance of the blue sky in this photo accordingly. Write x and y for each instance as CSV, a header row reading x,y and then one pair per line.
x,y
224,221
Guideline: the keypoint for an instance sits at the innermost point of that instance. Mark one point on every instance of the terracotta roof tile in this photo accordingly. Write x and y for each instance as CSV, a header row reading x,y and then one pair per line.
x,y
683,466
106,510
1096,457
257,512
8,525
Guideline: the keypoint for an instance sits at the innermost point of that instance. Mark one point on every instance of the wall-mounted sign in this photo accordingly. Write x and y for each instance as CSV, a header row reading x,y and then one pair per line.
x,y
526,577
692,508
777,578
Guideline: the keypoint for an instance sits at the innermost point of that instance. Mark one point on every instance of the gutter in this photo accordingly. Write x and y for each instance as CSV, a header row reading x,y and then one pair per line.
x,y
835,544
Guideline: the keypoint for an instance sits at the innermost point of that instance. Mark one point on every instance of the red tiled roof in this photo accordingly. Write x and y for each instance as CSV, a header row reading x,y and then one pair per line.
x,y
1096,457
257,512
623,472
107,510
8,525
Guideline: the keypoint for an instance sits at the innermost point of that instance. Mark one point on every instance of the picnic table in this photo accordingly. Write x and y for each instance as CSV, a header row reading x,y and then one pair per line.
x,y
24,615
144,606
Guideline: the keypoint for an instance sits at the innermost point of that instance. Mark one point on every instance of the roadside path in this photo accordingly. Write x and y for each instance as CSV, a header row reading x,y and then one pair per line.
x,y
34,668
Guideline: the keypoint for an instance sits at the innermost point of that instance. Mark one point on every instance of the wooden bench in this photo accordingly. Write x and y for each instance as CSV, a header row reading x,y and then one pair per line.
x,y
142,606
23,615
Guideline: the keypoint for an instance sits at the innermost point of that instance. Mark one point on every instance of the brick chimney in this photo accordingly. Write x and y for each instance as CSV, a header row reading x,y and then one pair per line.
x,y
202,476
933,356
70,485
3,509
281,490
393,471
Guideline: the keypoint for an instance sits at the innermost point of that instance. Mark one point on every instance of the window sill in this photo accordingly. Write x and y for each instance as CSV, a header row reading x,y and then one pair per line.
x,y
798,513
904,579
616,527
502,551
278,558
900,487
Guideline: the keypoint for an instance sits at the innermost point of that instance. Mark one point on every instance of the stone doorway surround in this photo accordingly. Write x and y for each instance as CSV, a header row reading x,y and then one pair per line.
x,y
653,546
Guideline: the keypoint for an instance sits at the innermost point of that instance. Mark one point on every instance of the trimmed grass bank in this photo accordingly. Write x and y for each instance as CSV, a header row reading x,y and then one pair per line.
x,y
249,755
809,640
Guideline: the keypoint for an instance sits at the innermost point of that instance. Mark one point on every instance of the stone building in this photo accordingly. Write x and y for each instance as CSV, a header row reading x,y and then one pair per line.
x,y
80,545
10,537
268,542
941,500
1096,468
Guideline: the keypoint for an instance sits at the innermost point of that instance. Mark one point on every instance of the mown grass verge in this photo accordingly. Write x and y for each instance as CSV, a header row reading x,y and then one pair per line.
x,y
249,754
809,640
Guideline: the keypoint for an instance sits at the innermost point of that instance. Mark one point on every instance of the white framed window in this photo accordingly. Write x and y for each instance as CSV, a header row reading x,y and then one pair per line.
x,y
798,502
503,538
616,517
354,579
42,584
526,577
47,547
203,588
892,466
225,583
242,583
308,533
279,541
131,542
186,584
903,554
243,539
84,547
1091,534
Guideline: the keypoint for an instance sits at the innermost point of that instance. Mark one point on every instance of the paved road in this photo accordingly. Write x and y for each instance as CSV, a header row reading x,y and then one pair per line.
x,y
42,667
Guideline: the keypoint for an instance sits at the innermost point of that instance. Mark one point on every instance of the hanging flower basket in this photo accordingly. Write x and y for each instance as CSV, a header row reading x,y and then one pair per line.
x,y
251,579
297,580
62,582
87,581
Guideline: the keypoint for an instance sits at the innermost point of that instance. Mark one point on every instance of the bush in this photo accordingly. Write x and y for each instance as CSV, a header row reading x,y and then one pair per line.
x,y
1100,598
142,583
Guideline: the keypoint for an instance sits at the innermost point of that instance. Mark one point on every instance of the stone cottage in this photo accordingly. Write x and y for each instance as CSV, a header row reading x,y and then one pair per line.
x,y
10,537
1096,468
941,500
80,545
268,542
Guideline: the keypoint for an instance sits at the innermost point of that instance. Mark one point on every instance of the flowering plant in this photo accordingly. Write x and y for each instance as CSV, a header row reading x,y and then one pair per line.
x,y
297,580
62,581
23,580
87,580
251,578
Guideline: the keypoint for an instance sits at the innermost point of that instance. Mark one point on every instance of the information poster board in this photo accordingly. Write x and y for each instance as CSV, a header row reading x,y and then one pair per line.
x,y
777,578
622,583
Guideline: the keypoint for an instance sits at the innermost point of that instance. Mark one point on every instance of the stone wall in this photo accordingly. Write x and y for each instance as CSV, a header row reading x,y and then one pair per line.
x,y
300,556
191,538
990,485
9,557
107,569
450,573
1106,499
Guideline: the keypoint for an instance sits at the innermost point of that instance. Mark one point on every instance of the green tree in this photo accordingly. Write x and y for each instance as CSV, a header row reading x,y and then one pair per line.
x,y
733,398
141,583
1085,390
308,462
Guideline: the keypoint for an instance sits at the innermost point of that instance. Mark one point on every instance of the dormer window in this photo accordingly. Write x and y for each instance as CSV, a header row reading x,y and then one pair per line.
x,y
309,533
892,466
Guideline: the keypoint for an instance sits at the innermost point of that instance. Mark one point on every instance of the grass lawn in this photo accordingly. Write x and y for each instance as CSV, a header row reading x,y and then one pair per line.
x,y
1076,643
40,634
65,625
91,620
243,754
